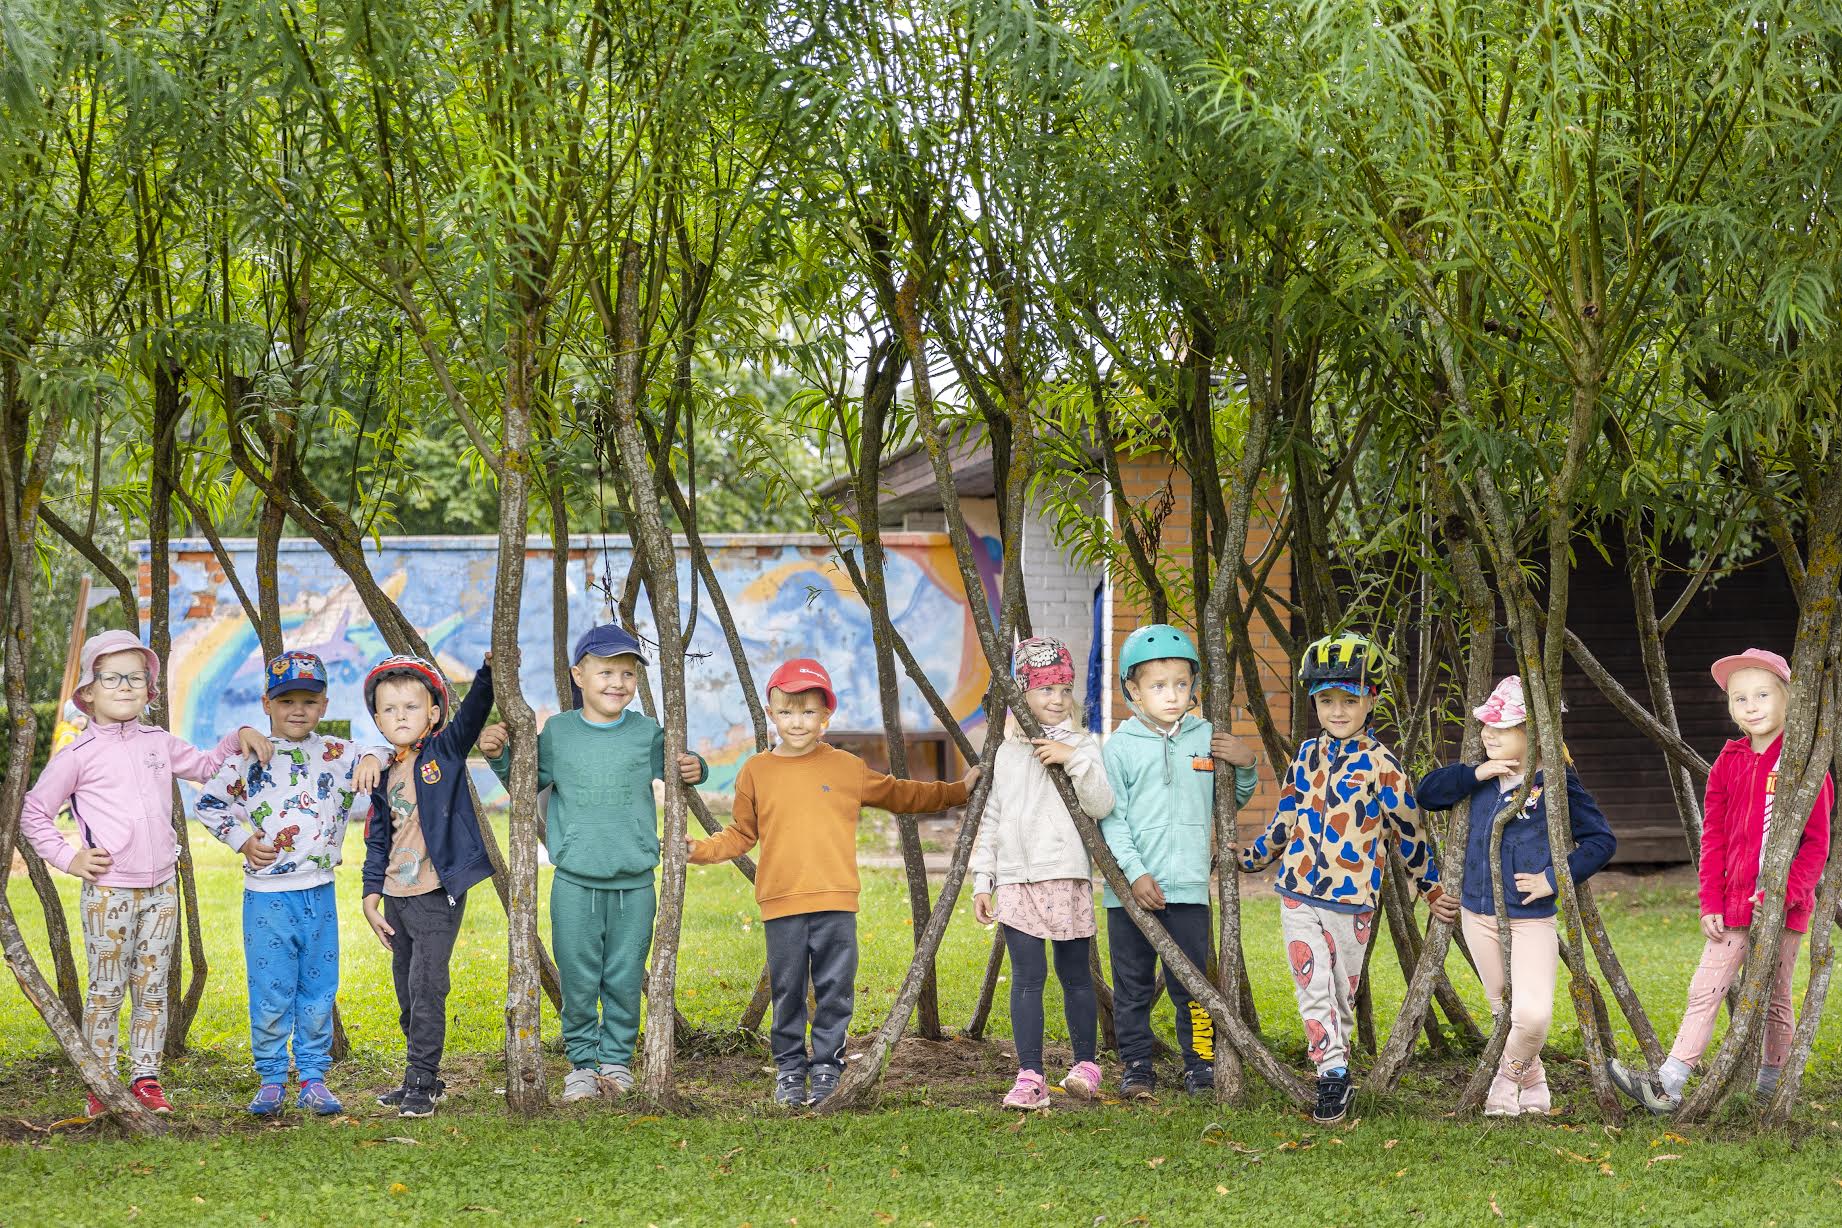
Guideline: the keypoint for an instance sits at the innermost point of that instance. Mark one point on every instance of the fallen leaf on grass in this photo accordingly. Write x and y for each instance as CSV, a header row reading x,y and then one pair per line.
x,y
1154,1161
474,1206
1659,1159
397,1187
1389,1145
1221,1189
1494,1208
1017,1125
883,1217
1669,1137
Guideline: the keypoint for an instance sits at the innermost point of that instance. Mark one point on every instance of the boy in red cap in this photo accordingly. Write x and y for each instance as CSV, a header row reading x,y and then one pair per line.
x,y
801,802
1742,791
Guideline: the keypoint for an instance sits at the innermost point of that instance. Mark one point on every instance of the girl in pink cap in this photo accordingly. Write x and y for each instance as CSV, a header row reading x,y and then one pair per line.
x,y
1742,788
117,778
1529,886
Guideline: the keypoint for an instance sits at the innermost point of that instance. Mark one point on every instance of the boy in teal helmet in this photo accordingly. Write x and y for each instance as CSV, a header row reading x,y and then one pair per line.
x,y
1161,765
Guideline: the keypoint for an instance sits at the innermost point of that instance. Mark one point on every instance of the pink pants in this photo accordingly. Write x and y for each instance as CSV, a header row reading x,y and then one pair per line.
x,y
1534,952
1721,962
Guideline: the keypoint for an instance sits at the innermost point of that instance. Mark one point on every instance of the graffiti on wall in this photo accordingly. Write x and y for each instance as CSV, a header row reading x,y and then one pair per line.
x,y
788,594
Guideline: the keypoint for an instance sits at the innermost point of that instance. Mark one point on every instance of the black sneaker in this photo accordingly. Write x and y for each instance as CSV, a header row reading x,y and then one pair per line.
x,y
417,1102
1334,1095
1138,1083
394,1098
790,1090
1199,1082
824,1082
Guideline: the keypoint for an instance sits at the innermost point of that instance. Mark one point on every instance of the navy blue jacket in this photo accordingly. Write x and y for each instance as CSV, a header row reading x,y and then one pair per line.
x,y
444,804
1525,837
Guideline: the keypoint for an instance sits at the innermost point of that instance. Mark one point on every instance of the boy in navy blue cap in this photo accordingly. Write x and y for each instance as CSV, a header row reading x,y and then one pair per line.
x,y
602,834
288,819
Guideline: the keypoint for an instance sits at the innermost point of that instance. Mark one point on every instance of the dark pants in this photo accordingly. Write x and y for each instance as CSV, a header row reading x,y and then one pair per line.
x,y
822,947
1135,984
426,927
1028,973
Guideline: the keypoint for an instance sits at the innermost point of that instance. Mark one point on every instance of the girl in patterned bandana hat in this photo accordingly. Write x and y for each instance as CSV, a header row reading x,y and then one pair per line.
x,y
1031,874
1527,874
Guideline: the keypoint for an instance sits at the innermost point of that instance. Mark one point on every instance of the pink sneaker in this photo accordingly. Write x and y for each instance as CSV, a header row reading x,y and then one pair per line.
x,y
1028,1092
1083,1080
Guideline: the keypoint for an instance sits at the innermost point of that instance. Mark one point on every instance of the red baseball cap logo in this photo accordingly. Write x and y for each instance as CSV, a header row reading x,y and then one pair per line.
x,y
803,674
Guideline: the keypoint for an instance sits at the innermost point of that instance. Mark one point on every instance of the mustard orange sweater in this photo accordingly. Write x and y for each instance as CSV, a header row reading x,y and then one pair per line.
x,y
803,811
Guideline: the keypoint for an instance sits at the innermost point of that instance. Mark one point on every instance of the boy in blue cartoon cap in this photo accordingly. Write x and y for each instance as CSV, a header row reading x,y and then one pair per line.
x,y
602,834
288,819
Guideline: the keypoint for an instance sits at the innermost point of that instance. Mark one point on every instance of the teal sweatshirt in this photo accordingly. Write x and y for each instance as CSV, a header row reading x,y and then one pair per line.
x,y
1163,816
603,825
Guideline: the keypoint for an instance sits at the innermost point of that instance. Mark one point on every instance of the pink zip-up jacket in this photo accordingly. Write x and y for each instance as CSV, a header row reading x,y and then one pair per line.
x,y
118,782
1742,788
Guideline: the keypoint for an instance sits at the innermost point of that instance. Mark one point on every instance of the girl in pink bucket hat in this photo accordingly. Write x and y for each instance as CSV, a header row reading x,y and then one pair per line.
x,y
1736,823
1529,887
117,778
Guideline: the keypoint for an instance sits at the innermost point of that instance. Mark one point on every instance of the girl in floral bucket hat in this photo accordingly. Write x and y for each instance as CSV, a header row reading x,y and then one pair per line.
x,y
1736,823
1527,875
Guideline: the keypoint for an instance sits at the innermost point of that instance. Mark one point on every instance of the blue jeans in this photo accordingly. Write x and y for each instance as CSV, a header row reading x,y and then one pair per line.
x,y
291,948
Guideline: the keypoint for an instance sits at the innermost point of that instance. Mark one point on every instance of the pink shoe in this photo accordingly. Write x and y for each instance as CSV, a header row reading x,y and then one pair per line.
x,y
1083,1080
1028,1092
1535,1097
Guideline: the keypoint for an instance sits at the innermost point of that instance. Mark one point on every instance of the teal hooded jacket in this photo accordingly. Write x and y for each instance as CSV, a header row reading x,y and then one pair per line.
x,y
1163,816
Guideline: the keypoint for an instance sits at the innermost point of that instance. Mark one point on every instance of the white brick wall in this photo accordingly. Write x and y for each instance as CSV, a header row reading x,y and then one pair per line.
x,y
1061,595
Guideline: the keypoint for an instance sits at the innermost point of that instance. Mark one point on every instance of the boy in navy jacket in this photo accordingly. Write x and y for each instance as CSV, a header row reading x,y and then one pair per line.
x,y
423,849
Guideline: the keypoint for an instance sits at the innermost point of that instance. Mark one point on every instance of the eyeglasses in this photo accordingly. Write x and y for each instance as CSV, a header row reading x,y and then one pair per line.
x,y
122,682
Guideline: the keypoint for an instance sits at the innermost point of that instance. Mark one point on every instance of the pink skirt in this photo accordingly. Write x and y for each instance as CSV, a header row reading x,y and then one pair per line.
x,y
1059,909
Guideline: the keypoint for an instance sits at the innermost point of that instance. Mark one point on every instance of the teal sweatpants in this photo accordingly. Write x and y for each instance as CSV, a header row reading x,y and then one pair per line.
x,y
600,940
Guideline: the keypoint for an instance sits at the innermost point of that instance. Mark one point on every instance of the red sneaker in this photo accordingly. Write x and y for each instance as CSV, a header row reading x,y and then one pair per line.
x,y
149,1092
95,1108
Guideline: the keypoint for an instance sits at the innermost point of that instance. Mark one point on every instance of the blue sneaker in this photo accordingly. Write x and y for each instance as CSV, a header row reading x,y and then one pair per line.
x,y
315,1096
268,1100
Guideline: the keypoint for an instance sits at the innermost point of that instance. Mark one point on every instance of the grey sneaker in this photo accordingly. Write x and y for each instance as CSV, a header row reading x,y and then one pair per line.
x,y
417,1102
1138,1083
1642,1087
824,1082
790,1090
583,1083
394,1098
617,1079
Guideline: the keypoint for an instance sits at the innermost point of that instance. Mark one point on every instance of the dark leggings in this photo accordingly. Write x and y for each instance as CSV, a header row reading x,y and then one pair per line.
x,y
1028,972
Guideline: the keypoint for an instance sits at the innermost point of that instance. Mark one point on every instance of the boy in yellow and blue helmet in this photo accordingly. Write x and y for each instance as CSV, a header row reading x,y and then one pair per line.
x,y
1344,797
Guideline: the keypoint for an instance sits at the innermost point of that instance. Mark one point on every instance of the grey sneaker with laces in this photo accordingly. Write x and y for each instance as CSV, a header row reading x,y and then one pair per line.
x,y
790,1090
583,1083
824,1082
616,1079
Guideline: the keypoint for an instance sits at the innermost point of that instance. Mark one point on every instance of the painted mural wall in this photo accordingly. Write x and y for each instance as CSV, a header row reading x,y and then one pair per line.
x,y
789,596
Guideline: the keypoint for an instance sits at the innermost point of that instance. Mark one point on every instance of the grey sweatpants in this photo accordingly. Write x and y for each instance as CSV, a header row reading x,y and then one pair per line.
x,y
821,946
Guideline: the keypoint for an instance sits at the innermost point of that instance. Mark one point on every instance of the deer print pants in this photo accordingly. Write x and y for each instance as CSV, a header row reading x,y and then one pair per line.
x,y
128,934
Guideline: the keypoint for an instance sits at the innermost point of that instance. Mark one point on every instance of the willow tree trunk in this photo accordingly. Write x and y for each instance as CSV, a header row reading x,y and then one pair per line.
x,y
660,560
21,488
525,1091
184,993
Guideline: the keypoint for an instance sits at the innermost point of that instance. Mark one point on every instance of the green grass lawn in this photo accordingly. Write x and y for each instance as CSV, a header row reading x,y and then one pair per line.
x,y
938,1149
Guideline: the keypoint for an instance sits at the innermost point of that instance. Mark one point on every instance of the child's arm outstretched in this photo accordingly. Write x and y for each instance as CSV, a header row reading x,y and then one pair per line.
x,y
737,838
1270,843
190,763
496,744
1397,802
914,796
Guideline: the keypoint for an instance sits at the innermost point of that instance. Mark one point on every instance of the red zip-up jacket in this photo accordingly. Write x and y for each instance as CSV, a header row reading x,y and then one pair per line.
x,y
1734,830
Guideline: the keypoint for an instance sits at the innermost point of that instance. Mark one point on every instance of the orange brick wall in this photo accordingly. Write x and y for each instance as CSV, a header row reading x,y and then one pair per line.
x,y
1142,478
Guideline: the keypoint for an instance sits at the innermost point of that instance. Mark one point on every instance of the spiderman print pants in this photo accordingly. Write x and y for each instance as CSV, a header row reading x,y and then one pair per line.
x,y
1325,949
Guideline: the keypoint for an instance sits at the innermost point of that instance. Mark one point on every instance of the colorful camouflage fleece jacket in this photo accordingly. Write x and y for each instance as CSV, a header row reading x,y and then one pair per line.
x,y
1342,800
300,803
